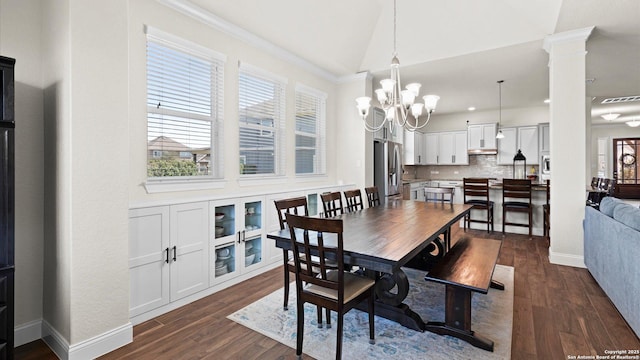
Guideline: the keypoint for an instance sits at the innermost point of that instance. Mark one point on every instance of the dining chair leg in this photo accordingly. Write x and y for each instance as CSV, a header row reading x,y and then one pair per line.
x,y
339,336
328,313
492,219
300,334
319,312
488,218
464,221
530,222
285,254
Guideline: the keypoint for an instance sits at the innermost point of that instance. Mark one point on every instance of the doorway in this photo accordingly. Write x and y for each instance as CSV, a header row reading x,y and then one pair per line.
x,y
625,168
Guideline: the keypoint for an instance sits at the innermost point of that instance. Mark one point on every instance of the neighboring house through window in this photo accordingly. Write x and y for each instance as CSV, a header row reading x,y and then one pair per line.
x,y
261,99
184,108
310,131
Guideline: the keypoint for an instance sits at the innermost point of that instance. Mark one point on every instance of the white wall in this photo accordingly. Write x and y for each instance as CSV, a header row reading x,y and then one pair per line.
x,y
510,117
20,38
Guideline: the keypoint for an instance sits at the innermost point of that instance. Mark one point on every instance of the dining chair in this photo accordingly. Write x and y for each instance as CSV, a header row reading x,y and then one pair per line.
x,y
476,193
332,289
439,194
372,195
296,206
519,189
546,213
353,199
332,204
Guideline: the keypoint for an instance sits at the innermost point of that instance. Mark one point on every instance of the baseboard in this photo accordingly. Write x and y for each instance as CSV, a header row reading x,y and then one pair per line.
x,y
566,259
88,349
26,333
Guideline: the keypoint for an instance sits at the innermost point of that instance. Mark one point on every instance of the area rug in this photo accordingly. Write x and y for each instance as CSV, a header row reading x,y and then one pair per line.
x,y
492,317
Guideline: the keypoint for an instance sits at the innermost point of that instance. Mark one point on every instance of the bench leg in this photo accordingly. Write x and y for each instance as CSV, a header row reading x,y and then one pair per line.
x,y
458,319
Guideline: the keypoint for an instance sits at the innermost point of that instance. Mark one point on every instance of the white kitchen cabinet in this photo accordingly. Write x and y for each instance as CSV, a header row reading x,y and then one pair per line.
x,y
481,138
545,140
452,148
168,254
524,138
238,244
431,148
414,148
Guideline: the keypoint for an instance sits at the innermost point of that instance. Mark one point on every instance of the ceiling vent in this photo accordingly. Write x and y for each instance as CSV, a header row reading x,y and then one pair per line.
x,y
621,99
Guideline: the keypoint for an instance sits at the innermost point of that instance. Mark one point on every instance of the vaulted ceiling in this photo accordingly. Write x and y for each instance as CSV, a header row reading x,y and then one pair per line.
x,y
457,49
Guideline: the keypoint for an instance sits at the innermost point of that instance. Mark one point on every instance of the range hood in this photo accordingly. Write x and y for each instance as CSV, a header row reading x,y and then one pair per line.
x,y
482,151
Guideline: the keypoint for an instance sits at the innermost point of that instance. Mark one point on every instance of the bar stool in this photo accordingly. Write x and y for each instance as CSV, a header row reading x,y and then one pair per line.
x,y
517,189
476,193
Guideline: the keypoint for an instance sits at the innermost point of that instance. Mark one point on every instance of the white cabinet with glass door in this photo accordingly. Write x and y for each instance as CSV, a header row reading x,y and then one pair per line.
x,y
238,237
168,254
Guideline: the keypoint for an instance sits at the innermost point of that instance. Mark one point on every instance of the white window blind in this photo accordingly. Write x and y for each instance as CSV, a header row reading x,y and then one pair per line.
x,y
310,131
261,113
184,109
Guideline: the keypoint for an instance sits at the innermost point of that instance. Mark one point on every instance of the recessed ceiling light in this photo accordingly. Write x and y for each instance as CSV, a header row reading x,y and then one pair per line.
x,y
610,116
471,108
546,101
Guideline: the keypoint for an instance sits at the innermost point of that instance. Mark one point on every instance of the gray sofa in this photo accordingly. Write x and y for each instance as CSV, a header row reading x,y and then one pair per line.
x,y
612,254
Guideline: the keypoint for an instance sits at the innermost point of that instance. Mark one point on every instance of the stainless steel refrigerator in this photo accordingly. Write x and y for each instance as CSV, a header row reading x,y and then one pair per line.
x,y
7,207
387,168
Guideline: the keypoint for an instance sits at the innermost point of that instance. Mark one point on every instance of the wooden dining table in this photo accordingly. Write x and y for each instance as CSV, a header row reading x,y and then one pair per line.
x,y
384,238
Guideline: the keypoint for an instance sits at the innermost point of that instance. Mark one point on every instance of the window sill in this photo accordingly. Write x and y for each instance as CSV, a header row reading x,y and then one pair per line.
x,y
164,186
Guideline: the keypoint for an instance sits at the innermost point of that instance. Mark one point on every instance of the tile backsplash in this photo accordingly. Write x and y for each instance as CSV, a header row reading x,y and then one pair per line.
x,y
479,166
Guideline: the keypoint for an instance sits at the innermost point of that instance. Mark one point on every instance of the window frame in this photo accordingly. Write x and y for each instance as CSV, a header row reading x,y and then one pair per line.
x,y
216,61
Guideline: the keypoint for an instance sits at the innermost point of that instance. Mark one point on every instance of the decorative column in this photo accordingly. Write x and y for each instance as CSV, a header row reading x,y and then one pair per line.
x,y
568,132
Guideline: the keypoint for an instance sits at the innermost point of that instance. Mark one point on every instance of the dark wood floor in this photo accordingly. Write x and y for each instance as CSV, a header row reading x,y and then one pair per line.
x,y
558,311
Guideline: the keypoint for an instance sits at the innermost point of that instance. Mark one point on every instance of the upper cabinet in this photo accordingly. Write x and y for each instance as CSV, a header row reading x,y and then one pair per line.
x,y
543,133
481,139
524,138
387,132
446,148
414,148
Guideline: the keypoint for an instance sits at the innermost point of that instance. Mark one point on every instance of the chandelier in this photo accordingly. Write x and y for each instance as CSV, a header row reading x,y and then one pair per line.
x,y
397,104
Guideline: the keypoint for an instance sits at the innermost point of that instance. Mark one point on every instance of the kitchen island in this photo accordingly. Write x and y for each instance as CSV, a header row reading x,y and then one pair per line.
x,y
538,198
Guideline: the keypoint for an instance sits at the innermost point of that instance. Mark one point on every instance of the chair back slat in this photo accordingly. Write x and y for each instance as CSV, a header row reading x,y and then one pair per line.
x,y
372,196
297,206
332,204
475,189
354,200
319,241
516,188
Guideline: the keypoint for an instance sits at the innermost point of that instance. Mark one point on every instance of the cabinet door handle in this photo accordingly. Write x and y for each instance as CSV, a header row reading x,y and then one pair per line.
x,y
175,250
437,159
453,159
481,143
419,160
238,236
244,235
167,260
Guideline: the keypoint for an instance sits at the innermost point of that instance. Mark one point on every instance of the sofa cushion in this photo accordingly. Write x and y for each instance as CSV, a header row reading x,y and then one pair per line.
x,y
628,215
608,204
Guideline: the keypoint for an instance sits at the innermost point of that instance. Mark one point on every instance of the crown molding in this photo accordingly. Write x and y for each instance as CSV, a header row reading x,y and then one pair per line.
x,y
189,9
566,36
364,75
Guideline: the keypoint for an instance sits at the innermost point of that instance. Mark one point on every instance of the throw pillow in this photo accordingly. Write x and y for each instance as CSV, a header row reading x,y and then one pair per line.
x,y
608,204
628,215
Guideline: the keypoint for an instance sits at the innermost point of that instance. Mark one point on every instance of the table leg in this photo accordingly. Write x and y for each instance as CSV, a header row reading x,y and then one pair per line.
x,y
458,319
389,305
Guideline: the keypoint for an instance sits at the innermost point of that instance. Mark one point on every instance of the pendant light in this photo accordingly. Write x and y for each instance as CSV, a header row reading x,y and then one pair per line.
x,y
500,135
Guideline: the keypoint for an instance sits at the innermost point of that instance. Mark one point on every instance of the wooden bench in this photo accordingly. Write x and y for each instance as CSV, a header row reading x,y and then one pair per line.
x,y
467,267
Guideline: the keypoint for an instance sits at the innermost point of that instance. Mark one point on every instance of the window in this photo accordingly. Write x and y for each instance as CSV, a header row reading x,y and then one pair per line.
x,y
184,109
261,113
310,131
